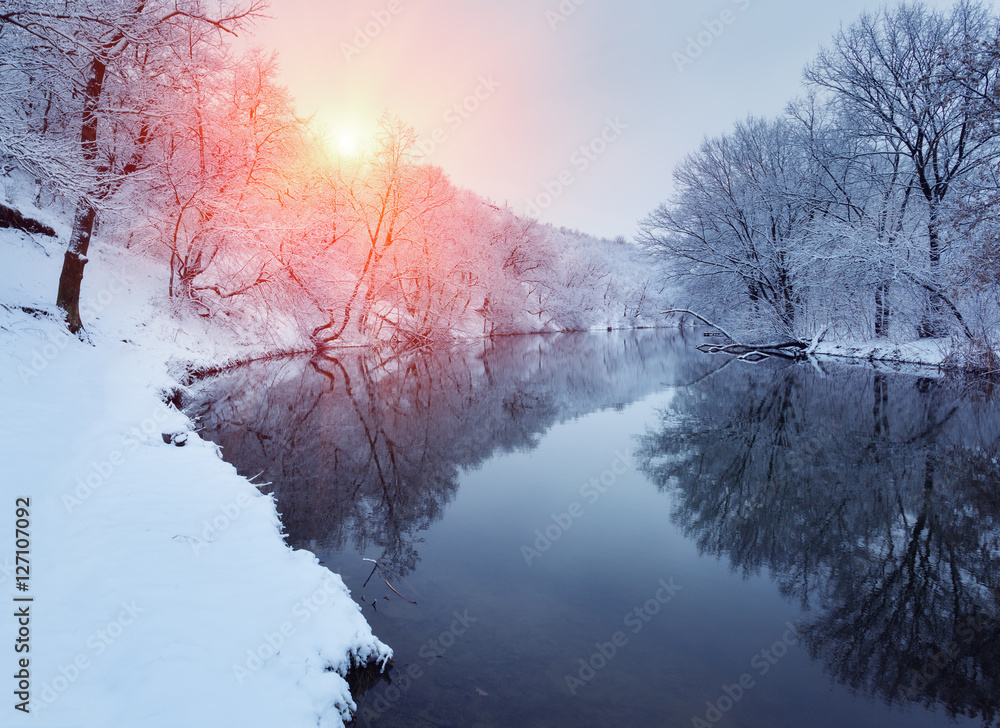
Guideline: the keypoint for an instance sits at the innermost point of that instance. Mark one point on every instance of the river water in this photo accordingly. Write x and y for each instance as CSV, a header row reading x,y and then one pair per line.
x,y
618,530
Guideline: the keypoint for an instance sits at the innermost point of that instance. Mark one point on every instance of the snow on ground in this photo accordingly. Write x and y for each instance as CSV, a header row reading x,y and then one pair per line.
x,y
163,593
925,352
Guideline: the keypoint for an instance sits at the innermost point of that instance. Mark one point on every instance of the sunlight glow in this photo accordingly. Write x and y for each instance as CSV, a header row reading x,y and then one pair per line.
x,y
346,145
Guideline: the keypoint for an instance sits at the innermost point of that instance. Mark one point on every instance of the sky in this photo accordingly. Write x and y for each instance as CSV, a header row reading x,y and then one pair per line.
x,y
571,111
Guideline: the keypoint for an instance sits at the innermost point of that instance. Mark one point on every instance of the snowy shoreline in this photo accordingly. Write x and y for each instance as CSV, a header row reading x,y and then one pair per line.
x,y
927,354
935,356
163,591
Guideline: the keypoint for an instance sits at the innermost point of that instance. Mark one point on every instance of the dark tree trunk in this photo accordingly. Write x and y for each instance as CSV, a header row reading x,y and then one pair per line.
x,y
786,302
882,312
348,309
933,326
71,278
11,218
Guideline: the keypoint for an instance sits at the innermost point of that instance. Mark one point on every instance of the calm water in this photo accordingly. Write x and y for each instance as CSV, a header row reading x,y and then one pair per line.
x,y
617,530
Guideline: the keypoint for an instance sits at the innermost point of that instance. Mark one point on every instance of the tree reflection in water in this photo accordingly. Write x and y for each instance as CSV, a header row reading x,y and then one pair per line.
x,y
871,499
365,450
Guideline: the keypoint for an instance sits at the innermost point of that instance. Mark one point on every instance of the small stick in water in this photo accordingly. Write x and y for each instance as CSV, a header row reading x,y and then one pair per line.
x,y
371,574
377,566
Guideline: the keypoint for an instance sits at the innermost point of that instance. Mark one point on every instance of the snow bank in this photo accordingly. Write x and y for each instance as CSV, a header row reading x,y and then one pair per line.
x,y
163,592
925,352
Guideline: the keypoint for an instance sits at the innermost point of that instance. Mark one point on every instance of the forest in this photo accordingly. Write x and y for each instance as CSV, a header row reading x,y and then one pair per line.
x,y
142,123
868,208
865,211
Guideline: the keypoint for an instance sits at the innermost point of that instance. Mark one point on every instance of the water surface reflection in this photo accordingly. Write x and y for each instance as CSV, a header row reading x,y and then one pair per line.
x,y
864,503
872,500
366,450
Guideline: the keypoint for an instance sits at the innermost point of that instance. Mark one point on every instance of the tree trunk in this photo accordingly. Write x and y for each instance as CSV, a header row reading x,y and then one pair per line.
x,y
320,342
882,312
788,312
11,218
933,326
71,278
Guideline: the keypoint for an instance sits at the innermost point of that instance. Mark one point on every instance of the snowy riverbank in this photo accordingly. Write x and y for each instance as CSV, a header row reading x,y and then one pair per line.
x,y
936,357
163,592
927,353
955,357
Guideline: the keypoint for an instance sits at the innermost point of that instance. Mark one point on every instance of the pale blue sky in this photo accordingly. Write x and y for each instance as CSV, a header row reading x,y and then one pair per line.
x,y
555,86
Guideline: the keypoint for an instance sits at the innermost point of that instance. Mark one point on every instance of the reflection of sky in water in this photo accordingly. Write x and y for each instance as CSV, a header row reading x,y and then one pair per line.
x,y
778,488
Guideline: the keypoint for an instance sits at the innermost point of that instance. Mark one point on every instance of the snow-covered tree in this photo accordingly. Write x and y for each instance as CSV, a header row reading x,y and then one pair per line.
x,y
741,210
223,164
844,211
897,76
102,61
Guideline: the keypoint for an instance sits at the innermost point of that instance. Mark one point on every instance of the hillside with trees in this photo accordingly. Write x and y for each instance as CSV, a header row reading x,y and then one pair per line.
x,y
142,125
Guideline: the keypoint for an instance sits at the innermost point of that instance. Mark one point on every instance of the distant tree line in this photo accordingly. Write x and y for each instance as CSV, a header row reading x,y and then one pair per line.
x,y
870,206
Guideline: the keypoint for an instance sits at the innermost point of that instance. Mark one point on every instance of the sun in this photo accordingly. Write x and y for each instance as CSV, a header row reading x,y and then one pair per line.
x,y
342,139
345,144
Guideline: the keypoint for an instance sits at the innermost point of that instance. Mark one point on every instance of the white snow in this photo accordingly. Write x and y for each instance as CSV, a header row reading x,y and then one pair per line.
x,y
164,594
924,352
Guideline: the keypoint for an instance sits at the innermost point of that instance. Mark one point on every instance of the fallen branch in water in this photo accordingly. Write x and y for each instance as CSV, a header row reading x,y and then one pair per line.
x,y
702,319
377,566
817,340
793,349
